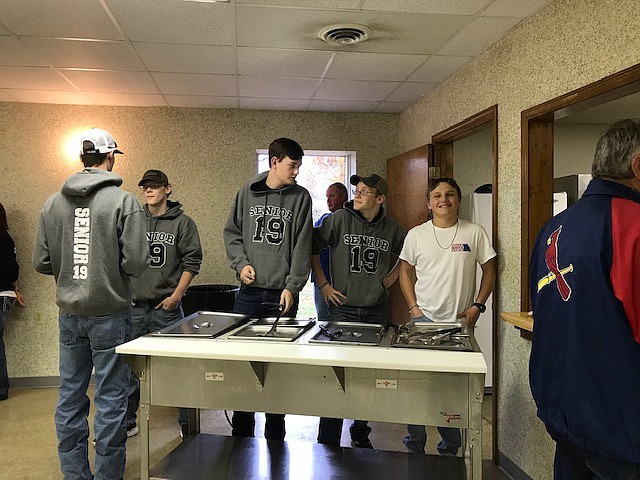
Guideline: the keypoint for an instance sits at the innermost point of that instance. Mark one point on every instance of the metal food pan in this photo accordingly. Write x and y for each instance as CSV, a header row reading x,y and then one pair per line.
x,y
203,325
287,330
350,333
410,336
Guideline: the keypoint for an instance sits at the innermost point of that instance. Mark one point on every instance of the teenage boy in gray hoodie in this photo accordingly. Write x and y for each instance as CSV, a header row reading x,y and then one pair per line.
x,y
91,238
363,243
176,256
268,243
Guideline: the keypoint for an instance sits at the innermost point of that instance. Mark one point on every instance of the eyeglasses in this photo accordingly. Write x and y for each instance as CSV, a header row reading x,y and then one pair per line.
x,y
152,186
362,193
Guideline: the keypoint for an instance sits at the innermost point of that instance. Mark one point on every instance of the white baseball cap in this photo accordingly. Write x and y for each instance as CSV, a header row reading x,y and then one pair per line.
x,y
97,140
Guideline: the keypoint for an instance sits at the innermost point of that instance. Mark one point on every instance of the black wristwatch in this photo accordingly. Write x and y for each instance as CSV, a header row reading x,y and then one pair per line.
x,y
481,306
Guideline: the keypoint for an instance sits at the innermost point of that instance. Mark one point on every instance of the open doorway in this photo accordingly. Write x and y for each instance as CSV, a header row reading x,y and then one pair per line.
x,y
459,141
320,168
613,94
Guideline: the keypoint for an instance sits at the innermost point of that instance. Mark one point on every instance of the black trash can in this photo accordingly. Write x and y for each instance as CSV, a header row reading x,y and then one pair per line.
x,y
213,298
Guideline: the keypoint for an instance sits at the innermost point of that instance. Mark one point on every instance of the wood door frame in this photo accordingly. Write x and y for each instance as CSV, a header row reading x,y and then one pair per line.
x,y
443,159
537,155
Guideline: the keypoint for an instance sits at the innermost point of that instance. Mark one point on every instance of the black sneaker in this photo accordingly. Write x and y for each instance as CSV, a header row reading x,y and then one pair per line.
x,y
361,443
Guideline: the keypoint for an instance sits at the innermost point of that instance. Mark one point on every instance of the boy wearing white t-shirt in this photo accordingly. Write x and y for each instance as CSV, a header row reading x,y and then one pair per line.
x,y
438,279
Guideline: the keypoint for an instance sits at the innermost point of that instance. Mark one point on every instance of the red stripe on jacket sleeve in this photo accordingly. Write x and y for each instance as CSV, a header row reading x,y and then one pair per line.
x,y
625,268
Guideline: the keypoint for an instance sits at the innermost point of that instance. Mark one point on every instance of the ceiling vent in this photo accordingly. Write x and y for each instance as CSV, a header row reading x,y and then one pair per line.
x,y
345,33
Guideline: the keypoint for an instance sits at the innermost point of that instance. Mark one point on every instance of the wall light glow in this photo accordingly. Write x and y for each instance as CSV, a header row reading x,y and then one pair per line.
x,y
71,145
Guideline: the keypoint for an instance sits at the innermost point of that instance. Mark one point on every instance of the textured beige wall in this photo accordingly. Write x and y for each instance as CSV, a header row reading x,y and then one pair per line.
x,y
207,154
568,44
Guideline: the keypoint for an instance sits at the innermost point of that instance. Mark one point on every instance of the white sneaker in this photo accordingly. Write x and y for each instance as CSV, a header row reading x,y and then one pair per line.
x,y
133,431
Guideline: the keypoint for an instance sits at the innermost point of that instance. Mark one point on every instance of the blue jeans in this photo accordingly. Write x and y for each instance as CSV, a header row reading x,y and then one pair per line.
x,y
344,313
146,319
87,342
330,429
416,440
574,463
249,302
321,305
6,303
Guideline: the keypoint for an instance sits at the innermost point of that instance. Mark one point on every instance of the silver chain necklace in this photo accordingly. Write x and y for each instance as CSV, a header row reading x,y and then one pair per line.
x,y
436,236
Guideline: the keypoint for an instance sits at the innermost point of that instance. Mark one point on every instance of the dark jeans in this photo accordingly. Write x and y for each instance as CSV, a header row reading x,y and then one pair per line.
x,y
145,319
249,301
330,429
6,303
344,313
574,463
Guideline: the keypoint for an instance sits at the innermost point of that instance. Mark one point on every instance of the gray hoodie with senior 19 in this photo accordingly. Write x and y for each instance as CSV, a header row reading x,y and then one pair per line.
x,y
271,231
91,238
361,253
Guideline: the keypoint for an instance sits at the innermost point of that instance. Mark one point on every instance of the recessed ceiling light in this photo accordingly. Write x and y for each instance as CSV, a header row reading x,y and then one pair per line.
x,y
345,33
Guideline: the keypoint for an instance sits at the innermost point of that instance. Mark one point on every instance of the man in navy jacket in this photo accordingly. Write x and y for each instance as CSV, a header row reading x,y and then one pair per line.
x,y
585,289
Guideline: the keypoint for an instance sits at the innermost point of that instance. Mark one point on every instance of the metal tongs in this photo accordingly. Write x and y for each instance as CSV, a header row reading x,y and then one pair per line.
x,y
444,335
272,331
332,335
426,338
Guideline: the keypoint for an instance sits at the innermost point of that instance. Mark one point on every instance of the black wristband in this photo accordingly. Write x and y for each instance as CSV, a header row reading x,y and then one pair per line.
x,y
481,306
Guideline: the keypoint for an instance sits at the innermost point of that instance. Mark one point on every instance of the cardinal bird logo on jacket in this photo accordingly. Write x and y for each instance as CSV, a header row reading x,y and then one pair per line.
x,y
555,272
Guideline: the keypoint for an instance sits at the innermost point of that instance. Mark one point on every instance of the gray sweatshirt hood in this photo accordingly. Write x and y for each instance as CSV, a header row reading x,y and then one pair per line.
x,y
174,210
348,206
83,183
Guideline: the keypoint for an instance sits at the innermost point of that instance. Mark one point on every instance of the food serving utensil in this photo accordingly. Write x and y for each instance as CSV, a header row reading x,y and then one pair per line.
x,y
272,331
332,335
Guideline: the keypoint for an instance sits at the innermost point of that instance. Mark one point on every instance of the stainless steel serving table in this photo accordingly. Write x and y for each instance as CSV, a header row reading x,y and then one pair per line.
x,y
381,383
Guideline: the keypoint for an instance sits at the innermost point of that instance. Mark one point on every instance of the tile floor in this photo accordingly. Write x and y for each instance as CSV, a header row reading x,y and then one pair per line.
x,y
28,446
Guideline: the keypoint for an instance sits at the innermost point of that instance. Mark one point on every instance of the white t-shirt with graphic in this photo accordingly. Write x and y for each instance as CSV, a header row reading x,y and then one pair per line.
x,y
445,260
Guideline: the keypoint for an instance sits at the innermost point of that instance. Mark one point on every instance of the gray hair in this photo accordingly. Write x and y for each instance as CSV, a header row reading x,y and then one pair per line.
x,y
615,149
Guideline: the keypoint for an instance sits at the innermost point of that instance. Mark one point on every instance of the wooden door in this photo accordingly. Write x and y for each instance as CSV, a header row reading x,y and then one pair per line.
x,y
407,176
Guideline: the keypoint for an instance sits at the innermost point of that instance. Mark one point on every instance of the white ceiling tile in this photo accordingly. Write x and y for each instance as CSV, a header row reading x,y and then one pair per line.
x,y
403,34
273,104
476,37
163,57
341,106
282,63
438,68
44,96
193,54
172,21
514,8
56,18
32,78
392,107
110,81
338,4
127,99
277,87
373,66
196,84
195,101
64,53
410,92
14,52
448,7
354,90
